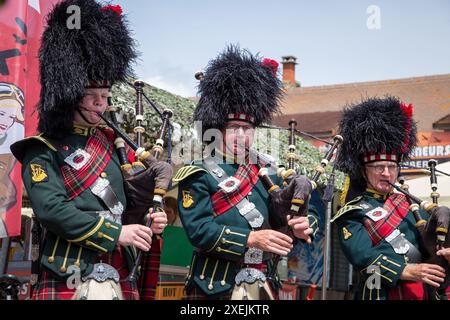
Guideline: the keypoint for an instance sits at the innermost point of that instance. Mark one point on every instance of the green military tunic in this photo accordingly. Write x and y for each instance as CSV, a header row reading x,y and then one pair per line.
x,y
76,233
220,241
380,260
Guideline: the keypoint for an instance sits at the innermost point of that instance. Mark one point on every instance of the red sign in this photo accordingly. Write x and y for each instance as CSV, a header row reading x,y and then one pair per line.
x,y
21,25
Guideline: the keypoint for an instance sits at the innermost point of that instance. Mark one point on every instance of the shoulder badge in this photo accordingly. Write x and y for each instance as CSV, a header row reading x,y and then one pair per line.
x,y
185,172
354,201
347,234
38,172
20,147
344,210
188,201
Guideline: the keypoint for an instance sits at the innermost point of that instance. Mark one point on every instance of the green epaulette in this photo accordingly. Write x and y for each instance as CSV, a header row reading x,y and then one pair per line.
x,y
349,206
185,172
19,148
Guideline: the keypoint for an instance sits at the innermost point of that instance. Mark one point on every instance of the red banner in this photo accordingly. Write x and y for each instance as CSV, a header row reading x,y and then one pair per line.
x,y
21,25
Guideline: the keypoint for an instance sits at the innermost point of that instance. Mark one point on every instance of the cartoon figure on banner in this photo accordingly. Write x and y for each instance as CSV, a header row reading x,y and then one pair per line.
x,y
12,103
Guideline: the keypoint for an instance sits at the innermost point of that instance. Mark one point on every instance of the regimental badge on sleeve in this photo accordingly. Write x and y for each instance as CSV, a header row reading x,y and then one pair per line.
x,y
38,172
347,234
188,201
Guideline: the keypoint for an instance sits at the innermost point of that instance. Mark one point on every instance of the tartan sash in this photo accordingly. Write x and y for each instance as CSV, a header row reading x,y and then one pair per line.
x,y
223,201
397,207
100,150
51,288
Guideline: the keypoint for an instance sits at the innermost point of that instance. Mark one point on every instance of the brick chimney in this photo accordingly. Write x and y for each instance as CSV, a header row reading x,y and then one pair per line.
x,y
289,63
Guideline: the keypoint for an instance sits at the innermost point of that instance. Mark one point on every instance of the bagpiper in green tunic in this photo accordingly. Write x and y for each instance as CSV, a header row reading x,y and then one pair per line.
x,y
223,205
379,265
220,240
79,226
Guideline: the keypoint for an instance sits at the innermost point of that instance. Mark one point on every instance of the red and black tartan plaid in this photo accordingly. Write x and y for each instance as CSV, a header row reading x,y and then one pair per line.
x,y
197,294
100,149
148,281
222,201
397,207
50,288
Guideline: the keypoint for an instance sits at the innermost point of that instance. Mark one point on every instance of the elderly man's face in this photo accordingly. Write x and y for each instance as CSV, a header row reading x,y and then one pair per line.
x,y
8,114
379,173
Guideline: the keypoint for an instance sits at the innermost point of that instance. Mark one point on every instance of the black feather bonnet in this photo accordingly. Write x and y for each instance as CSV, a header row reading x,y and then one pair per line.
x,y
95,53
376,129
238,86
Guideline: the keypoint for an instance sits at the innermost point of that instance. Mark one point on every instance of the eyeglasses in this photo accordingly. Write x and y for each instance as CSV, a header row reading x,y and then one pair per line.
x,y
379,168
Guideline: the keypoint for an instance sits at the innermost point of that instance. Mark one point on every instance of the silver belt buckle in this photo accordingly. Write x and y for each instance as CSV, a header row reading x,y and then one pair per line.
x,y
103,272
249,275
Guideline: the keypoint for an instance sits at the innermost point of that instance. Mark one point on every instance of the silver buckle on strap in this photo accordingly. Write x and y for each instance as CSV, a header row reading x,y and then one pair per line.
x,y
102,189
99,185
217,172
230,184
248,210
77,159
397,242
249,206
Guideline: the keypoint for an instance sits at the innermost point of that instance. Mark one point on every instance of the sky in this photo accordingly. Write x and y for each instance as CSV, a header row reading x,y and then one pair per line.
x,y
334,41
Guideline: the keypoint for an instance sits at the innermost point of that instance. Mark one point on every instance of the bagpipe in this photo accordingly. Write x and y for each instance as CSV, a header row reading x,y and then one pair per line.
x,y
292,200
146,179
434,231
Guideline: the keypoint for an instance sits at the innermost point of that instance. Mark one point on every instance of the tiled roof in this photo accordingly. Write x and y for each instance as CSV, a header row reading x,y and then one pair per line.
x,y
430,96
314,122
443,123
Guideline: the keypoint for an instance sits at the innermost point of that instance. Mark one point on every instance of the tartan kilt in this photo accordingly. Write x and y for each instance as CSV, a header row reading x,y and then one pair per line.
x,y
195,293
149,277
51,288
